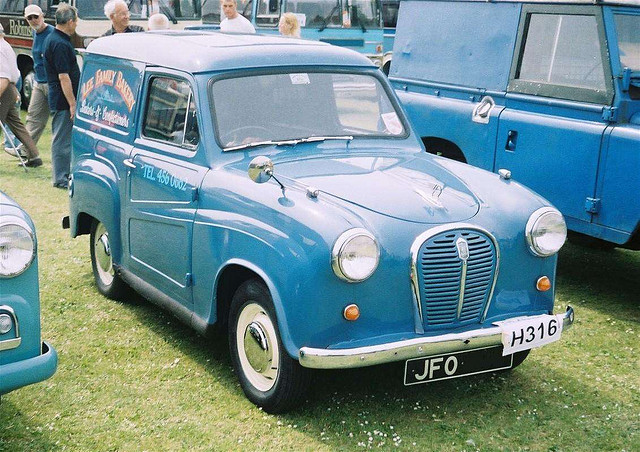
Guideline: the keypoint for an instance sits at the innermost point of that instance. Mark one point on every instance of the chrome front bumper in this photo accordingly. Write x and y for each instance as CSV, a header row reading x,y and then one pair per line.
x,y
322,358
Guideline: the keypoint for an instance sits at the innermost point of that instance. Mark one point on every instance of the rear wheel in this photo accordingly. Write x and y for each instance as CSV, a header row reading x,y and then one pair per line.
x,y
269,377
109,283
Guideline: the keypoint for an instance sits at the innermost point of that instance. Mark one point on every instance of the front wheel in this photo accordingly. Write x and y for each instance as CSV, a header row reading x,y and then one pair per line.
x,y
269,377
109,283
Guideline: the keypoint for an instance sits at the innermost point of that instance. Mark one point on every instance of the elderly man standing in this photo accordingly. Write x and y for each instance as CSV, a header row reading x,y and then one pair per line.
x,y
234,22
117,12
38,112
9,114
63,76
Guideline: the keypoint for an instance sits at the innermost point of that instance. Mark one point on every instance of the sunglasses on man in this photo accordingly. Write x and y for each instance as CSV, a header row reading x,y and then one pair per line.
x,y
32,17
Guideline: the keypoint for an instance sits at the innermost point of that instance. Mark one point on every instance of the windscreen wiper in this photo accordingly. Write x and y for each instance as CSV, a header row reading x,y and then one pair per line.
x,y
291,142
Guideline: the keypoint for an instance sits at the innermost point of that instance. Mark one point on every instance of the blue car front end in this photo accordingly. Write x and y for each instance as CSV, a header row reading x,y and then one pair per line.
x,y
24,358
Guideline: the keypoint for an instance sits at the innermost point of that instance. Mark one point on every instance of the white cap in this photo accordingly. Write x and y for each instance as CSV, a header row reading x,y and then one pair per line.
x,y
32,10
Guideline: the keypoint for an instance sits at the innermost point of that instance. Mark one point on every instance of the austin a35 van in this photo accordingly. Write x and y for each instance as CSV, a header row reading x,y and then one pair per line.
x,y
273,187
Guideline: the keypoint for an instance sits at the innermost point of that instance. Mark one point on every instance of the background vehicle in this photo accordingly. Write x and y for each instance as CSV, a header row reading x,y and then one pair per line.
x,y
91,24
552,95
389,19
355,24
24,358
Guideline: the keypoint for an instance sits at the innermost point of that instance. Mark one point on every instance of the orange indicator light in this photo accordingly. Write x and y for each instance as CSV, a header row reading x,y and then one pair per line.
x,y
352,312
543,284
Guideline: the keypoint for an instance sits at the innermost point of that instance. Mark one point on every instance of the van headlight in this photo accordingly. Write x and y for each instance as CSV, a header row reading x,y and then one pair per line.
x,y
355,255
17,246
546,231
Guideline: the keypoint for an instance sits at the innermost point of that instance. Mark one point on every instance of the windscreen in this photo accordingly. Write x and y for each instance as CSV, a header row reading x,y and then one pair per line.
x,y
290,106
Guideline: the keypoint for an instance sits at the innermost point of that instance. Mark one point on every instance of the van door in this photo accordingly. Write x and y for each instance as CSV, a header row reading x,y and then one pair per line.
x,y
551,130
165,171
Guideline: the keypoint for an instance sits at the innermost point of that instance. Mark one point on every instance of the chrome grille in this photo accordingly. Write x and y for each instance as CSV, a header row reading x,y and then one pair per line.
x,y
454,290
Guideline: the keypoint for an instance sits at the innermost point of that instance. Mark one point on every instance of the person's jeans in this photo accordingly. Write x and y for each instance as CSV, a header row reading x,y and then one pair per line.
x,y
61,126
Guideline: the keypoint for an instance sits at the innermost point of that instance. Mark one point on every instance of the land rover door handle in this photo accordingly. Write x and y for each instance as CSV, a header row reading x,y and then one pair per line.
x,y
512,139
129,163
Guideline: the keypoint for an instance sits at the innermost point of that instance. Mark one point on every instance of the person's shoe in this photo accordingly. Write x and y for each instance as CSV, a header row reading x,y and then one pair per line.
x,y
61,185
32,163
17,151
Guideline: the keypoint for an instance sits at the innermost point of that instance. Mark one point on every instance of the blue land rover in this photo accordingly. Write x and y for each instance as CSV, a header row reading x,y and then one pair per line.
x,y
24,357
273,187
549,90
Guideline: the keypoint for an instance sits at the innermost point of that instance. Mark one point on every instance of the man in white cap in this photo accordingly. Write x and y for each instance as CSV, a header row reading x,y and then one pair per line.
x,y
38,112
9,114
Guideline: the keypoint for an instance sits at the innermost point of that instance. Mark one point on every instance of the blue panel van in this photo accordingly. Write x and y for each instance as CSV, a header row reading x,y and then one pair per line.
x,y
273,188
547,90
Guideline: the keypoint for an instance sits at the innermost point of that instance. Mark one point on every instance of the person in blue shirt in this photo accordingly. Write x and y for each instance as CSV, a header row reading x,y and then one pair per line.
x,y
63,76
38,113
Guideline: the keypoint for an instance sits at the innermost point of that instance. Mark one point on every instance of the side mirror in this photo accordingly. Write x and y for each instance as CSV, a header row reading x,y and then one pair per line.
x,y
260,169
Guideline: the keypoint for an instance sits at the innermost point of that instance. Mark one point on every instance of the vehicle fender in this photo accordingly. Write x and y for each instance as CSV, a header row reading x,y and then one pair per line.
x,y
97,183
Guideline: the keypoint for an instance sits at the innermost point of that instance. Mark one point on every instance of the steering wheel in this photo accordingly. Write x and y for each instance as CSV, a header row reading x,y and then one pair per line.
x,y
246,133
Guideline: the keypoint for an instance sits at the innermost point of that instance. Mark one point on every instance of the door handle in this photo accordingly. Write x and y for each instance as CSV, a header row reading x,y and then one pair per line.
x,y
129,163
512,140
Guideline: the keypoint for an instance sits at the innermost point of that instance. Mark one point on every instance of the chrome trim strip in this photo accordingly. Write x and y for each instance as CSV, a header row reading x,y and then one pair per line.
x,y
463,285
415,248
322,358
10,344
15,342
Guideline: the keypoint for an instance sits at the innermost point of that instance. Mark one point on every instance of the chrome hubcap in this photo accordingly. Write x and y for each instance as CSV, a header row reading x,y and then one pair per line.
x,y
102,253
257,345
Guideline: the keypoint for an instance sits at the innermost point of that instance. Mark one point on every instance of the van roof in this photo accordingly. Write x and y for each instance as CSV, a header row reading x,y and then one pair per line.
x,y
558,2
204,51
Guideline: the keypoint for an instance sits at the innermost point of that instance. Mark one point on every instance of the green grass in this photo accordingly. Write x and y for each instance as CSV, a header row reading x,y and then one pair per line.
x,y
131,377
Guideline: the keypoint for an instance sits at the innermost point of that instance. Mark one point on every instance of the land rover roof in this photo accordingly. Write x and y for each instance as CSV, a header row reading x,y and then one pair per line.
x,y
559,2
198,51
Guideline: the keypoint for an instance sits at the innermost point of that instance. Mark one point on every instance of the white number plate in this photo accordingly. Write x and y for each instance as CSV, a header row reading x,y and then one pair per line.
x,y
529,333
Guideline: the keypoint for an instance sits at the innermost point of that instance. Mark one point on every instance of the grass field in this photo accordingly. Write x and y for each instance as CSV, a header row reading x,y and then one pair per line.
x,y
131,377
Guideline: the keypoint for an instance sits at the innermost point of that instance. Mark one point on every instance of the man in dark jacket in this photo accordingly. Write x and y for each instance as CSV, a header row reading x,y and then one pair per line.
x,y
63,76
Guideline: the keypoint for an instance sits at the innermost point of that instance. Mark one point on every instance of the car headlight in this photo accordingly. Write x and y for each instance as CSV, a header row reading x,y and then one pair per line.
x,y
546,231
355,255
17,246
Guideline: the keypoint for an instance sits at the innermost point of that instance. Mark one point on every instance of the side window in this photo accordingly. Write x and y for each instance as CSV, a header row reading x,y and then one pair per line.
x,y
171,114
12,7
268,13
561,56
563,50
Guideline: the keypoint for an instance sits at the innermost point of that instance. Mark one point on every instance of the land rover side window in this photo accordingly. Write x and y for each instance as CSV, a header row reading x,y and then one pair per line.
x,y
628,31
562,57
302,106
171,113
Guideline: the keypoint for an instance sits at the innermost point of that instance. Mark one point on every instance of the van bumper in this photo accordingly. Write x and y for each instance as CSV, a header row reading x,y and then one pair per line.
x,y
28,371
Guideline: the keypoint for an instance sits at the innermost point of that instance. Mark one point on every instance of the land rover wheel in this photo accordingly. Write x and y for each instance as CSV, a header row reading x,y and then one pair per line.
x,y
109,283
269,377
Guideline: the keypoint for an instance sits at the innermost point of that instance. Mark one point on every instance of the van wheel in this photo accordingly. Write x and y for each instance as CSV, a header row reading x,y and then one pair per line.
x,y
269,377
109,283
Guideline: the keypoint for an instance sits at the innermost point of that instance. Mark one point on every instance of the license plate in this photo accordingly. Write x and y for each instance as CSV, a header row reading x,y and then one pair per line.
x,y
454,365
529,333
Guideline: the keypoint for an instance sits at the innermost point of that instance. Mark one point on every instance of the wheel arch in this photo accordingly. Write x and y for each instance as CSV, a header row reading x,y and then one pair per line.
x,y
233,274
445,148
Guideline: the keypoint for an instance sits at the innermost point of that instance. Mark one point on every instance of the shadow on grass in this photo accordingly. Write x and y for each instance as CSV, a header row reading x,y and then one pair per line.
x,y
608,281
19,430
